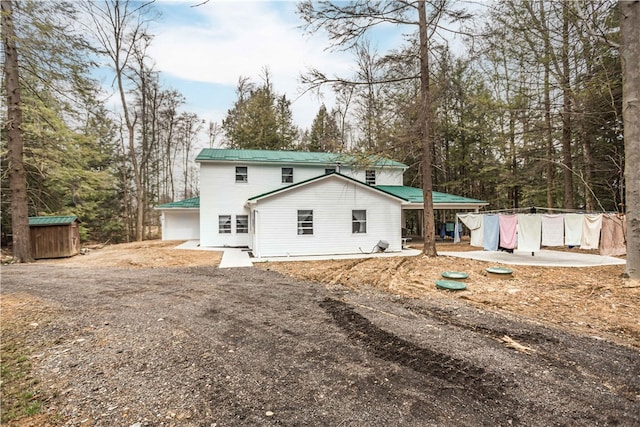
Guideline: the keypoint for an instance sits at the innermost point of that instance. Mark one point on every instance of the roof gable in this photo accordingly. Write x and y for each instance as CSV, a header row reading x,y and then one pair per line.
x,y
324,177
294,157
39,221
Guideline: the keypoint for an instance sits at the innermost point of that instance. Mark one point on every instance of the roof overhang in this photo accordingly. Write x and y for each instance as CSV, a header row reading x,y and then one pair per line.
x,y
441,206
157,208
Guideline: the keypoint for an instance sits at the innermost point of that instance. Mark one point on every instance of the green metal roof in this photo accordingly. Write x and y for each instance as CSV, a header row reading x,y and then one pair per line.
x,y
375,188
414,195
291,157
410,194
36,221
193,202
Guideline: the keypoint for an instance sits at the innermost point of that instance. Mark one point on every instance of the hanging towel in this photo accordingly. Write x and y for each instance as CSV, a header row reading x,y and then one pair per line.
x,y
591,225
612,241
529,229
474,222
456,232
573,229
491,236
552,230
508,229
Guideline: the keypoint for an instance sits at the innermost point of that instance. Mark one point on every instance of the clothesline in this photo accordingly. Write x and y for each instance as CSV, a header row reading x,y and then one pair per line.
x,y
528,231
534,209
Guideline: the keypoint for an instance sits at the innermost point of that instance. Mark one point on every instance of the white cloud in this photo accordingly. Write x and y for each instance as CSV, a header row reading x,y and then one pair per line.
x,y
231,39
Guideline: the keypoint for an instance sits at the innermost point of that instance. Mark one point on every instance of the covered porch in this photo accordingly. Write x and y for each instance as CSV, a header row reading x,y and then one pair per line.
x,y
445,208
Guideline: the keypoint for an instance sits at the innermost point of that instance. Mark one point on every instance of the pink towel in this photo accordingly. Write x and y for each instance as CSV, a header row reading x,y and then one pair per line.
x,y
508,229
552,230
612,240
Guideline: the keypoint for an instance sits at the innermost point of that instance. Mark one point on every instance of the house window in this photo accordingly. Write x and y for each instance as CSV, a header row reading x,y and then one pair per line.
x,y
370,177
224,224
305,222
328,171
241,174
359,221
242,224
287,175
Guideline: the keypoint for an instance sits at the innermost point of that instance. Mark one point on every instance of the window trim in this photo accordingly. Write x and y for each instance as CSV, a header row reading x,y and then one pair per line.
x,y
245,229
241,174
356,224
368,179
288,175
224,227
307,218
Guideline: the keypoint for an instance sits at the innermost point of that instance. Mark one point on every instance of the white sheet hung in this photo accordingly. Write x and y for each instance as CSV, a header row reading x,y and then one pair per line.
x,y
529,230
552,230
474,223
591,225
573,229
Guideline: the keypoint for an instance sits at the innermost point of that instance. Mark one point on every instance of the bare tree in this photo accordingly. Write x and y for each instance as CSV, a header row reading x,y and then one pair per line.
x,y
630,52
120,27
15,145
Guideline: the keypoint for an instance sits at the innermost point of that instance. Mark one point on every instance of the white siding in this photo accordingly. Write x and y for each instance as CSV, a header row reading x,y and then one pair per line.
x,y
332,201
180,225
221,195
385,176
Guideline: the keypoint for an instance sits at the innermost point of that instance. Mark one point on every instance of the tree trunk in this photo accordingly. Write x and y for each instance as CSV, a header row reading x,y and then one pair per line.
x,y
630,53
566,112
15,145
426,118
547,112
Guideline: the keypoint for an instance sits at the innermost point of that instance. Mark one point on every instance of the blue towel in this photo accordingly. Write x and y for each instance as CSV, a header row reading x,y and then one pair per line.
x,y
491,236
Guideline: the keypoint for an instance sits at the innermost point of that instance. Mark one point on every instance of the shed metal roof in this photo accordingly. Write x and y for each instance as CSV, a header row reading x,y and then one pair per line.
x,y
38,221
294,157
191,203
414,195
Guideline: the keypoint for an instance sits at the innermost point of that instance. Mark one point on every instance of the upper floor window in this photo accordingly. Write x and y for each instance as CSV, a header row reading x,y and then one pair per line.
x,y
242,224
329,170
224,224
370,177
305,222
359,221
287,175
242,174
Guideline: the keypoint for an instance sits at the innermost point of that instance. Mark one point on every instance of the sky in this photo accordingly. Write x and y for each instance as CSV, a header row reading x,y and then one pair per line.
x,y
203,51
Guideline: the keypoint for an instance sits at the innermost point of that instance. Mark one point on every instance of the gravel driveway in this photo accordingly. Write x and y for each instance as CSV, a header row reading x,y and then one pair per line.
x,y
203,346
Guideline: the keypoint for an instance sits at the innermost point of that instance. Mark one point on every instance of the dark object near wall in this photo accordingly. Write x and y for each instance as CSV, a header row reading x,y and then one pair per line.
x,y
54,236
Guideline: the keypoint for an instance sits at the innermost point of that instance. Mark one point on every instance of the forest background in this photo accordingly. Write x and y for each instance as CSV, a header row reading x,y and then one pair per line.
x,y
529,114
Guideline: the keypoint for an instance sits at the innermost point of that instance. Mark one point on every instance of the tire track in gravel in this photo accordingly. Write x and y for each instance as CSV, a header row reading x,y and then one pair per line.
x,y
484,386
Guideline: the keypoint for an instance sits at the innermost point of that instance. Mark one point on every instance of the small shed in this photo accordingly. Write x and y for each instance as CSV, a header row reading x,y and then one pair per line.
x,y
54,236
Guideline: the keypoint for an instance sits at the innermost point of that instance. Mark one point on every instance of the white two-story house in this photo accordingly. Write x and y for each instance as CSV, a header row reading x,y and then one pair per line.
x,y
286,203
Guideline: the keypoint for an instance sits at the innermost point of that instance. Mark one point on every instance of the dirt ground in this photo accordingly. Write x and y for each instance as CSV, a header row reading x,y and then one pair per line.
x,y
143,334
